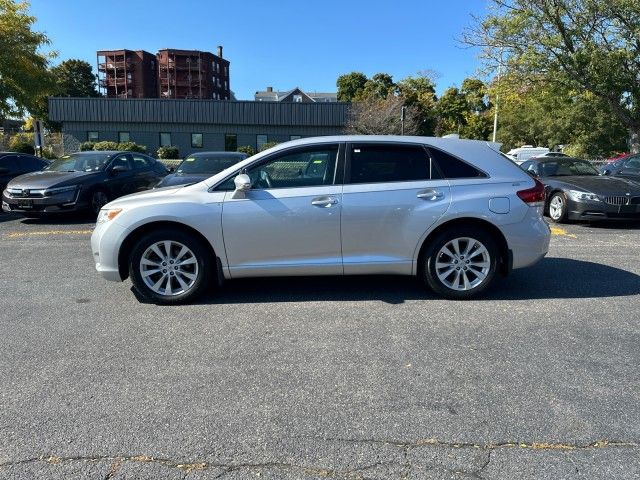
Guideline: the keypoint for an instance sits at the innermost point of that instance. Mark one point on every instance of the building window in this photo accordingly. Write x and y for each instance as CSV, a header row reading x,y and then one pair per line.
x,y
297,98
260,141
165,139
123,137
294,137
92,136
196,140
230,142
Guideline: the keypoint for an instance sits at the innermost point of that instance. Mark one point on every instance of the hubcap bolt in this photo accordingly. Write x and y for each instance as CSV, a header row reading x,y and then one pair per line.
x,y
164,270
171,262
171,274
164,264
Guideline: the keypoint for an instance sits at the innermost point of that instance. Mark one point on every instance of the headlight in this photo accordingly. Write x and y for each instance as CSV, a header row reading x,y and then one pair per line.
x,y
107,214
55,191
578,196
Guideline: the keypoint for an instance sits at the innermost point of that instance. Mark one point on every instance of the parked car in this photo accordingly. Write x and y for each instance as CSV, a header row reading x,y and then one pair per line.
x,y
455,213
200,166
81,181
13,164
552,154
526,152
575,190
628,167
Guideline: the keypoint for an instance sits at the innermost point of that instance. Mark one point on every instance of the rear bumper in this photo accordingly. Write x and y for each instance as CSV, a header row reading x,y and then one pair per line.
x,y
528,240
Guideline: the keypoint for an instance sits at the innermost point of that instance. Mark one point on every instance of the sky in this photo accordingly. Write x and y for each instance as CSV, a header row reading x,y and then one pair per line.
x,y
282,44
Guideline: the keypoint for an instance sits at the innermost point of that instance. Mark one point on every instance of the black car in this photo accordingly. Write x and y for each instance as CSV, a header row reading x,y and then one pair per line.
x,y
575,190
13,164
82,181
200,166
628,167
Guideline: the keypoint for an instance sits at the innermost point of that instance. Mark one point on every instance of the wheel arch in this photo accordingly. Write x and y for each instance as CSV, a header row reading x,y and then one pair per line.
x,y
504,265
127,245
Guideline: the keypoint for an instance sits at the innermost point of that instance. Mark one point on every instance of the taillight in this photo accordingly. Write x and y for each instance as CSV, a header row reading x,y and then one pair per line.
x,y
534,196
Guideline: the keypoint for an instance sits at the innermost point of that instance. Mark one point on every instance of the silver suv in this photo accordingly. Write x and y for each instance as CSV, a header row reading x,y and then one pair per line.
x,y
453,212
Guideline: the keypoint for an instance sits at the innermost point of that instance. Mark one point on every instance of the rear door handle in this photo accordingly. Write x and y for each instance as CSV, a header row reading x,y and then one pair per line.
x,y
324,202
430,194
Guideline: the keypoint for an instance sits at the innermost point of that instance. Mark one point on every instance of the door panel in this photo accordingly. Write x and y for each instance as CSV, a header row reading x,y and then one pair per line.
x,y
389,202
289,221
281,231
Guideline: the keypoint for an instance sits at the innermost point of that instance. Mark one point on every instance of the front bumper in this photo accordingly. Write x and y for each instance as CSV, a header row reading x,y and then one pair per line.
x,y
105,247
591,211
44,205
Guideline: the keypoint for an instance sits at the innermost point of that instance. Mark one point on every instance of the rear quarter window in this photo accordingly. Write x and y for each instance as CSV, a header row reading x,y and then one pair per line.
x,y
452,167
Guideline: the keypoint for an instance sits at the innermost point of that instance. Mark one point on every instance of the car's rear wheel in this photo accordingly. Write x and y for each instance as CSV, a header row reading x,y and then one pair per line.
x,y
558,207
461,263
170,267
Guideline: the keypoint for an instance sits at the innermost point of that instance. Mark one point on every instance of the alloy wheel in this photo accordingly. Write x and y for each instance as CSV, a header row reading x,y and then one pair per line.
x,y
556,207
169,268
463,264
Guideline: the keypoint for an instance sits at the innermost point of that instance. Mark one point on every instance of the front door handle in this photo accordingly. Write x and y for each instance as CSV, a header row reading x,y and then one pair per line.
x,y
430,194
324,202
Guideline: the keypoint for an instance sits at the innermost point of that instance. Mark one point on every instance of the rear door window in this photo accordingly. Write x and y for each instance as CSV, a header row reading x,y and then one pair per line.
x,y
377,163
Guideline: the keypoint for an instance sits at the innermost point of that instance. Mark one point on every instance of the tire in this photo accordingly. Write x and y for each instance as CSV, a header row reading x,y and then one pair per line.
x,y
159,280
451,272
558,208
98,200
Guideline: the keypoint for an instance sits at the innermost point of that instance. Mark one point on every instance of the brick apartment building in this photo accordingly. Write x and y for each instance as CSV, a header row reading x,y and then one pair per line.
x,y
171,73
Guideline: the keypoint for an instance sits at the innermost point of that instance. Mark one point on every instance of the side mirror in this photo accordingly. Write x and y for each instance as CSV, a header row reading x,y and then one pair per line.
x,y
243,185
117,169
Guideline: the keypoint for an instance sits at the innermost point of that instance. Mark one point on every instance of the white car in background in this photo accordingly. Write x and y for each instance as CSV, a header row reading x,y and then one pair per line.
x,y
524,153
454,213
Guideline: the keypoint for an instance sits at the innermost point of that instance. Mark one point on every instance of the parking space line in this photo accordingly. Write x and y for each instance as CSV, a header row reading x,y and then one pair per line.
x,y
561,232
47,232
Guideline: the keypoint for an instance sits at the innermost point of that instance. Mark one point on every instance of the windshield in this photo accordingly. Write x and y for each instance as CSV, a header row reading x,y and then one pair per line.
x,y
567,168
208,165
79,162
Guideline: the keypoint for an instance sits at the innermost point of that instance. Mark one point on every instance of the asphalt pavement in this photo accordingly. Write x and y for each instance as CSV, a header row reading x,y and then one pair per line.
x,y
357,377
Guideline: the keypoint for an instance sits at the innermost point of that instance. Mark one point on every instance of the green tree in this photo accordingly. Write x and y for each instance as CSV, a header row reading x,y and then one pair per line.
x,y
419,92
23,67
380,85
587,45
74,78
350,86
451,108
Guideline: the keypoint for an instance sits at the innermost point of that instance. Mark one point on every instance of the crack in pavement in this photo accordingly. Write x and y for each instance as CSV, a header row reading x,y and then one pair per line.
x,y
404,446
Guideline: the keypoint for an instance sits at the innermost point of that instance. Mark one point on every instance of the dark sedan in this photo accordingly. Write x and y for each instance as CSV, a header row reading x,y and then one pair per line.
x,y
200,166
628,167
81,181
13,164
575,190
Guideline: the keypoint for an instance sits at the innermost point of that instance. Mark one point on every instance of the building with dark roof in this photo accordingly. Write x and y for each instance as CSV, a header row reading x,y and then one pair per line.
x,y
193,125
171,73
294,95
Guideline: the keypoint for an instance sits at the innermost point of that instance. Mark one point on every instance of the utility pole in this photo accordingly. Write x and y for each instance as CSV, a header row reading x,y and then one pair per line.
x,y
402,115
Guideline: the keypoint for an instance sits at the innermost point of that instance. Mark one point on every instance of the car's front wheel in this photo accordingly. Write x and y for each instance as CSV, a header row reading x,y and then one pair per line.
x,y
558,207
170,267
460,263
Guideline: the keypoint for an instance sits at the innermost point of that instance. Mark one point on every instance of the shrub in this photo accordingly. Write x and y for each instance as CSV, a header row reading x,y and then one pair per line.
x,y
168,152
22,143
48,153
268,145
106,146
85,146
248,149
132,147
